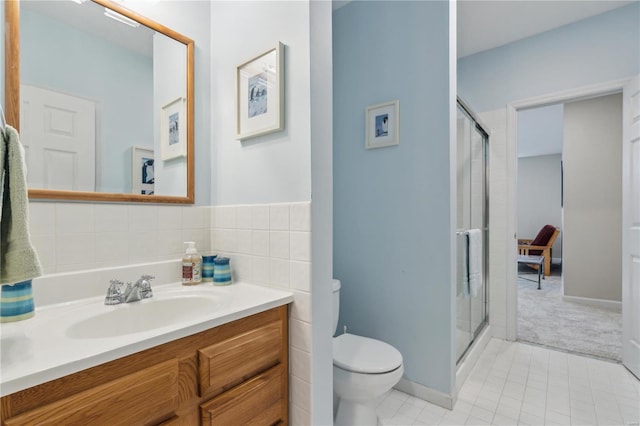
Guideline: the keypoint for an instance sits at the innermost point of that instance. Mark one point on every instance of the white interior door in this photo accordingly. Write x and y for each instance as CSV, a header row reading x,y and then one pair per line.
x,y
58,133
631,228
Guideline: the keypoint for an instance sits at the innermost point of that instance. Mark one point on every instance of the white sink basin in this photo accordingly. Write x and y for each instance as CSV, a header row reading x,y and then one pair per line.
x,y
146,315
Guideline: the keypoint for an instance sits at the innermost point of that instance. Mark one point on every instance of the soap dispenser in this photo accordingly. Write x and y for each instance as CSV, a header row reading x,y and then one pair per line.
x,y
191,265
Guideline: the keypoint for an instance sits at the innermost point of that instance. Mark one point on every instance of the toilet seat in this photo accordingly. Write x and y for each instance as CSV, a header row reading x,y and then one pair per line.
x,y
364,355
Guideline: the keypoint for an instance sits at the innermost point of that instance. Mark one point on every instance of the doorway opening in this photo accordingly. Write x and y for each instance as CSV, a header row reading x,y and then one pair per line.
x,y
569,162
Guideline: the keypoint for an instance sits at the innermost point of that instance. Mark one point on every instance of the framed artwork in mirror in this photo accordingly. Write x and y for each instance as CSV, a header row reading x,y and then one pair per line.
x,y
142,171
173,138
260,94
383,125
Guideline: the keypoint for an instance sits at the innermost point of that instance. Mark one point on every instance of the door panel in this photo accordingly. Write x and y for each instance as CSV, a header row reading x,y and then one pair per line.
x,y
471,307
631,228
58,133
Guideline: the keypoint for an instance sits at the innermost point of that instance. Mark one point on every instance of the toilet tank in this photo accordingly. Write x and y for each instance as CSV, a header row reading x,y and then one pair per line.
x,y
336,304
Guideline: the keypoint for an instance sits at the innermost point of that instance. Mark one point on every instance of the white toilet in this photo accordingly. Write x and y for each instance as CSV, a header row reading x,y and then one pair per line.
x,y
363,370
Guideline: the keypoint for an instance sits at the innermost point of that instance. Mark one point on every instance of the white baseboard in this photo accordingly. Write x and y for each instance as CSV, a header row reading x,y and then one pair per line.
x,y
611,305
556,260
420,391
472,357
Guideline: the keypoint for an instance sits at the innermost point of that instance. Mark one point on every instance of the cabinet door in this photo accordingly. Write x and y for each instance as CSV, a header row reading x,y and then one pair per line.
x,y
145,397
259,401
229,362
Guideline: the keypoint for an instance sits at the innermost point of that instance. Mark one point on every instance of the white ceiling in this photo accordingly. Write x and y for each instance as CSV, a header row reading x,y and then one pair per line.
x,y
485,24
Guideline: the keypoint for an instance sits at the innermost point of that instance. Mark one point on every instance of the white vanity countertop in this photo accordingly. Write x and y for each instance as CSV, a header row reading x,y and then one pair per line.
x,y
51,345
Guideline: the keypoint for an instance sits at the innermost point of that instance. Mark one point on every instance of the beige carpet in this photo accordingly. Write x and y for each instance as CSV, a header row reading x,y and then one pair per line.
x,y
545,319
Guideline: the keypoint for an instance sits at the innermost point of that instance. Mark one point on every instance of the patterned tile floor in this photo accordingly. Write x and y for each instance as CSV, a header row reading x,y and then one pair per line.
x,y
520,384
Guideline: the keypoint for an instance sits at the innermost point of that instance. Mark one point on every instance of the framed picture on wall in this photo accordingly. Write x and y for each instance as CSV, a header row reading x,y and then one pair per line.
x,y
142,171
382,125
173,125
260,94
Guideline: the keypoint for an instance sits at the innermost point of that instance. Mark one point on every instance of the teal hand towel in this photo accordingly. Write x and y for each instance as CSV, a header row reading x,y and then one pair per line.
x,y
18,260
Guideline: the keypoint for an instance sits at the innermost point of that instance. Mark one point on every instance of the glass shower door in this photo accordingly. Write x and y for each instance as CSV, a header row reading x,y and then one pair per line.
x,y
472,209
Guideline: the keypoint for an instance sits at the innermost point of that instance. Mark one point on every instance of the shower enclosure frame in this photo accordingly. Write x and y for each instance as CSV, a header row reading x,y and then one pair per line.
x,y
477,125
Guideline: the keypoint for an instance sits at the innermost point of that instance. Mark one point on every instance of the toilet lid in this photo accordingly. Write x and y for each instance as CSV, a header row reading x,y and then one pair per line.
x,y
364,355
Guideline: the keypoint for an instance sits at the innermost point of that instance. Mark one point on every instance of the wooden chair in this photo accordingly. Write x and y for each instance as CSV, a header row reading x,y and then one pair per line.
x,y
540,246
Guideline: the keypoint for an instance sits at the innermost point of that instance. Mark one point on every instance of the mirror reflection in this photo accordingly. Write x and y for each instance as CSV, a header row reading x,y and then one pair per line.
x,y
103,101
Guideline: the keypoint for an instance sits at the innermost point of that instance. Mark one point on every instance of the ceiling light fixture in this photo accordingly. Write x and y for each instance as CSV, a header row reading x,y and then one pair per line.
x,y
120,18
78,1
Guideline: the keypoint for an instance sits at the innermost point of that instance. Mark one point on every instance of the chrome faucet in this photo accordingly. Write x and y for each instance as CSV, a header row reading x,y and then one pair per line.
x,y
133,293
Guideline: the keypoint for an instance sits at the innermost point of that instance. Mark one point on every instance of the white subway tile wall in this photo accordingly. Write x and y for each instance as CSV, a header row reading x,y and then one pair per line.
x,y
77,236
270,245
301,246
279,244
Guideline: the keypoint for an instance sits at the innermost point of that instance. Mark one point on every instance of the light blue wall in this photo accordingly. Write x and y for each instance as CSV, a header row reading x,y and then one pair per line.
x,y
169,84
85,66
391,211
540,131
602,48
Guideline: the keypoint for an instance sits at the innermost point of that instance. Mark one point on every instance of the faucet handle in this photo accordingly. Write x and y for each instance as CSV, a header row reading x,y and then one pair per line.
x,y
114,294
145,286
115,286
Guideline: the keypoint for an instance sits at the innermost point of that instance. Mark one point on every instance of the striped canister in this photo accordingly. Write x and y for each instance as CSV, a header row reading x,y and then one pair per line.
x,y
16,302
221,271
207,268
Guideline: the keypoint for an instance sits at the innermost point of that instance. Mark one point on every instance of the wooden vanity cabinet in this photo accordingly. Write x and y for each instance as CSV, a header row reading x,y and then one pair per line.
x,y
254,402
234,374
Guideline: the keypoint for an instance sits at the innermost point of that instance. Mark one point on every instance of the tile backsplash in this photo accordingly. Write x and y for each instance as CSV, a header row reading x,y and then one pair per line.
x,y
78,236
268,244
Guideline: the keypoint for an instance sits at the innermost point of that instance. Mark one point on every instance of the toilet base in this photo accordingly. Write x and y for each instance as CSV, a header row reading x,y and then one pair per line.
x,y
352,413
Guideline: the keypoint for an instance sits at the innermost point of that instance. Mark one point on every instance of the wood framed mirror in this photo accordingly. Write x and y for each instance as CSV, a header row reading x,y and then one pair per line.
x,y
137,144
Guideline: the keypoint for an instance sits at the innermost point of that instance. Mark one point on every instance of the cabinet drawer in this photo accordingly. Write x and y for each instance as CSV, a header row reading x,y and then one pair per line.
x,y
259,401
144,397
229,362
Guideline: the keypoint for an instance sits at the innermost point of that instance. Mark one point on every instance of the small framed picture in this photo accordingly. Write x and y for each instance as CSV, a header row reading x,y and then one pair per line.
x,y
383,125
173,122
142,171
260,94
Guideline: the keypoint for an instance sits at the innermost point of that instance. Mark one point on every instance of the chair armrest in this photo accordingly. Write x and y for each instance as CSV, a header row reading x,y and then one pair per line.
x,y
535,247
524,241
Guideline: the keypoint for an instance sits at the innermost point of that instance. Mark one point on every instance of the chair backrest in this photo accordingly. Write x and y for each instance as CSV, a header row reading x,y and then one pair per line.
x,y
545,236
